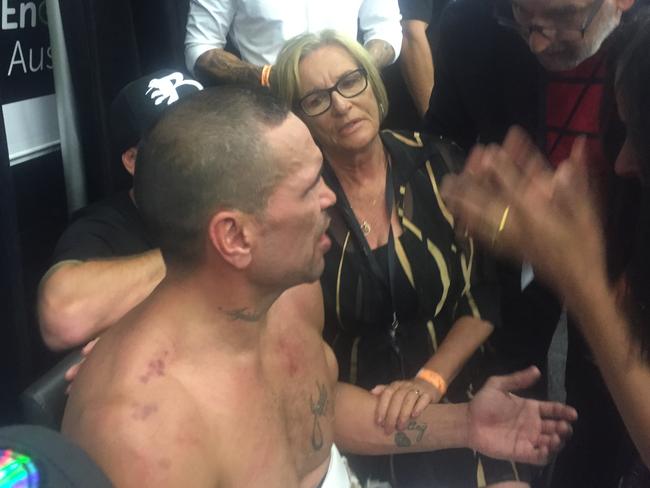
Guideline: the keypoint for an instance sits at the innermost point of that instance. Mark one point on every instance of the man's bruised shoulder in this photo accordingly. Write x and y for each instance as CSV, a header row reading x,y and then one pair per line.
x,y
152,440
304,302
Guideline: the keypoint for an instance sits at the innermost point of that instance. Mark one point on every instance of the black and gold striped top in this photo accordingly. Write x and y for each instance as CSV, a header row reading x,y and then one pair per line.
x,y
437,278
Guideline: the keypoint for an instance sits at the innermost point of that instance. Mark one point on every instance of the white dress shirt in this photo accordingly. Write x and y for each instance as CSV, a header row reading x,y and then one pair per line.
x,y
259,28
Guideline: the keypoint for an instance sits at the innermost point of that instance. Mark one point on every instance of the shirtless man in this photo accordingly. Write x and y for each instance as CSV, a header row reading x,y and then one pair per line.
x,y
221,377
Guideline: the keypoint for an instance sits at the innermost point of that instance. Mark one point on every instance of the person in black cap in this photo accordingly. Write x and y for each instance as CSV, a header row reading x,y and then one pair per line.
x,y
105,263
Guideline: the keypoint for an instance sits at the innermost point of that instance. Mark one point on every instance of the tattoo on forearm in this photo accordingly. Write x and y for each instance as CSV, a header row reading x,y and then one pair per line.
x,y
225,67
243,314
318,409
411,435
381,52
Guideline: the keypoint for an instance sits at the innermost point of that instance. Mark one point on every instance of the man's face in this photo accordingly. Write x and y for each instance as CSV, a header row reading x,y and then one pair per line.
x,y
292,240
566,32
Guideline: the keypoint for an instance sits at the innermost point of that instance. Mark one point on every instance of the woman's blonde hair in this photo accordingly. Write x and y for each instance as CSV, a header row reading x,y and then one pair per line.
x,y
285,81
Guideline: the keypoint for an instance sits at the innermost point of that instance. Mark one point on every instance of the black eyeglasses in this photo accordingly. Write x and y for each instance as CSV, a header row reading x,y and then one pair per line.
x,y
349,86
566,26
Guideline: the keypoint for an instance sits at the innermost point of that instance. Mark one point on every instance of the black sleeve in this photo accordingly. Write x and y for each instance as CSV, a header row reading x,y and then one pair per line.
x,y
109,229
416,10
86,238
447,114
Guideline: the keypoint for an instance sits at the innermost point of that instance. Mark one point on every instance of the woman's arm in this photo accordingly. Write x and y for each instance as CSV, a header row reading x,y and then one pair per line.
x,y
401,401
416,63
626,373
465,337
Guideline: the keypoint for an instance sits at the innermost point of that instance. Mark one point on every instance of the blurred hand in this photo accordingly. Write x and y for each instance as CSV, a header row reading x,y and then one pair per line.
x,y
551,220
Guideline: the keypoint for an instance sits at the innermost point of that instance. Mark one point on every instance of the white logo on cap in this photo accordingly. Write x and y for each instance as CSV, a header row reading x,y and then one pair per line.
x,y
165,88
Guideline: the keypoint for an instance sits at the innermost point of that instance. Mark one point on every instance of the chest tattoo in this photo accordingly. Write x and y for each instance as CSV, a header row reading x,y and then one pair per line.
x,y
411,435
318,409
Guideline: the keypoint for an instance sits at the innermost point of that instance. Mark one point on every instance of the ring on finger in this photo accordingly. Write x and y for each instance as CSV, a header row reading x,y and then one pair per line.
x,y
502,225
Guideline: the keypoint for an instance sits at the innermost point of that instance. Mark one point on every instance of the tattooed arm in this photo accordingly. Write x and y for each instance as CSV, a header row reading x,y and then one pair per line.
x,y
218,66
380,30
381,52
355,429
416,63
496,423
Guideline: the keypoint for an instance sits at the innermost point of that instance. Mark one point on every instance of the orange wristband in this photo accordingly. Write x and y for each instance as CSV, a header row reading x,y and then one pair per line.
x,y
265,76
433,378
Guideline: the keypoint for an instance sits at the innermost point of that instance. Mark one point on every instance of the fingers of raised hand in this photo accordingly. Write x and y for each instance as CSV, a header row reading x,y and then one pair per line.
x,y
467,198
501,172
519,146
523,151
496,168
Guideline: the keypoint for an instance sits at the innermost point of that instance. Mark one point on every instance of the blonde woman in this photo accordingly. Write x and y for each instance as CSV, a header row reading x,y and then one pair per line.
x,y
407,310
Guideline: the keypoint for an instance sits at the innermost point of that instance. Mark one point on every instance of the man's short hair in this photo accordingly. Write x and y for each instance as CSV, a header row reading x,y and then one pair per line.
x,y
285,73
208,152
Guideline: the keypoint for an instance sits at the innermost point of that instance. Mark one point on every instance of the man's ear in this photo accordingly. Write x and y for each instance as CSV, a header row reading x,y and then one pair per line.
x,y
230,235
128,159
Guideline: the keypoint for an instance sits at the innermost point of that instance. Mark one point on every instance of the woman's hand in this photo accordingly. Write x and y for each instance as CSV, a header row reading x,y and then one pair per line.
x,y
508,198
401,401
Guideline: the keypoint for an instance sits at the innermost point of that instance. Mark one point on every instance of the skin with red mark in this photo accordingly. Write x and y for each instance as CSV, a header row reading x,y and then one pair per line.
x,y
286,351
142,412
155,368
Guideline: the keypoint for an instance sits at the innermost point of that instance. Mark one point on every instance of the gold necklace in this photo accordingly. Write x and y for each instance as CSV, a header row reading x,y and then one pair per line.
x,y
365,226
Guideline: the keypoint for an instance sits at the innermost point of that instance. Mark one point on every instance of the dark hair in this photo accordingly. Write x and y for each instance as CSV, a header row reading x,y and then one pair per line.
x,y
207,152
628,232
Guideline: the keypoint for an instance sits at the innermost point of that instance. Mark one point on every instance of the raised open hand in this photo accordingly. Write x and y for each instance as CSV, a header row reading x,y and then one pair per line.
x,y
509,199
505,426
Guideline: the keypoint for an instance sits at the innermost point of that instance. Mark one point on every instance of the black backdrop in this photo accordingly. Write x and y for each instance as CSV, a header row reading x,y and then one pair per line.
x,y
14,344
109,43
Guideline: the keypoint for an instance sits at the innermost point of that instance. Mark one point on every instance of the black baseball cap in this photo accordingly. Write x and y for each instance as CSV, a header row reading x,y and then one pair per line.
x,y
139,105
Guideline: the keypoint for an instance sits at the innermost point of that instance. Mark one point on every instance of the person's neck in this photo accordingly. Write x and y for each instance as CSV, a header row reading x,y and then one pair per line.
x,y
356,168
222,306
